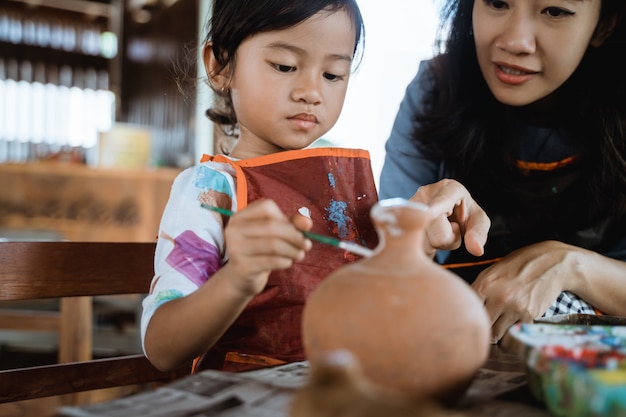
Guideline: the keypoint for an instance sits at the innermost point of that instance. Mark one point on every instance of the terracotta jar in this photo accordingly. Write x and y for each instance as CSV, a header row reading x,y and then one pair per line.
x,y
413,325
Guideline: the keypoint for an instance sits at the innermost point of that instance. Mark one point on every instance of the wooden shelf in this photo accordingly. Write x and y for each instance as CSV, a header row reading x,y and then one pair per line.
x,y
94,8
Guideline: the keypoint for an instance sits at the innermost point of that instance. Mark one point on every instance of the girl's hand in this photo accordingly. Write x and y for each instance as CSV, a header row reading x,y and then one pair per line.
x,y
456,218
259,239
525,283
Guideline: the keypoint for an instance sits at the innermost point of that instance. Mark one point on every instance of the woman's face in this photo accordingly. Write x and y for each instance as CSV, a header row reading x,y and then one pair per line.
x,y
527,49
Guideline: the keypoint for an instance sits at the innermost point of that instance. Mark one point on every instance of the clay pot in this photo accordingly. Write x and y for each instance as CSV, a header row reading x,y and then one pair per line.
x,y
413,325
338,388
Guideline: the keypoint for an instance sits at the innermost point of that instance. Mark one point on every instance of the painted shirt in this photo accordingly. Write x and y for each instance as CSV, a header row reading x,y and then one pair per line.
x,y
337,188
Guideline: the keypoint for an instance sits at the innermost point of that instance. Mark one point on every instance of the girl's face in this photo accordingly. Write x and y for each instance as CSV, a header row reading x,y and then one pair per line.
x,y
527,49
288,86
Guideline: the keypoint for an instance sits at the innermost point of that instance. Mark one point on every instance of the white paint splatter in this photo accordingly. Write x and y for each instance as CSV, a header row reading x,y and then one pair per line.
x,y
305,212
383,214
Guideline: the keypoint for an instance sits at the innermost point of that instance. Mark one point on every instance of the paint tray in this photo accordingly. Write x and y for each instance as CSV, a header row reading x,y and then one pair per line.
x,y
576,370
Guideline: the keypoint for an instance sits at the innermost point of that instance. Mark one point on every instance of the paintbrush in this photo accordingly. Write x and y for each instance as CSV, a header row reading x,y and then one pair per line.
x,y
327,240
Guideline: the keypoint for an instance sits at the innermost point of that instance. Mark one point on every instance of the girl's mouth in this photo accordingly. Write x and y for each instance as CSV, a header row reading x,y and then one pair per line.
x,y
304,121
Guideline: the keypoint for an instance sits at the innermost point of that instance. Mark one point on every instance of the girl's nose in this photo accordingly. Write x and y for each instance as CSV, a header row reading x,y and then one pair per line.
x,y
519,35
307,89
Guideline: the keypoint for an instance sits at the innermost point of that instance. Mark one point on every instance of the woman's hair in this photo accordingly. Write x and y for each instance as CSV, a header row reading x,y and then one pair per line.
x,y
462,116
234,21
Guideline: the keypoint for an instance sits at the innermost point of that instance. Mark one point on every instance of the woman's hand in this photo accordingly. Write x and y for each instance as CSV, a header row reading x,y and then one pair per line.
x,y
261,238
456,218
525,283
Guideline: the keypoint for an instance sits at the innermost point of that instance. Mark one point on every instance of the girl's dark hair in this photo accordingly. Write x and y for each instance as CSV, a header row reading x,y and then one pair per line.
x,y
234,21
462,116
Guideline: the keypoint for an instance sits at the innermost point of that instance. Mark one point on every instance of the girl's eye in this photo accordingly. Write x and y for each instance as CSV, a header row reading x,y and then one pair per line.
x,y
557,12
332,77
284,68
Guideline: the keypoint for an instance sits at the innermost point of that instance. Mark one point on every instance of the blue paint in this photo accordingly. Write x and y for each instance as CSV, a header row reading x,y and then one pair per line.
x,y
209,179
331,180
337,214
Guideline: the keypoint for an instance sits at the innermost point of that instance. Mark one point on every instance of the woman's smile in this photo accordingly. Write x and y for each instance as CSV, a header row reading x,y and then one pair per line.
x,y
527,49
512,75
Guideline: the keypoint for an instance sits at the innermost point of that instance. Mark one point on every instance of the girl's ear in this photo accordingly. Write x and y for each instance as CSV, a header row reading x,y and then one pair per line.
x,y
603,31
215,72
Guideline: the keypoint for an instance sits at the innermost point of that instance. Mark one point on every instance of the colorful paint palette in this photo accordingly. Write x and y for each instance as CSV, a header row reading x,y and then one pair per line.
x,y
576,370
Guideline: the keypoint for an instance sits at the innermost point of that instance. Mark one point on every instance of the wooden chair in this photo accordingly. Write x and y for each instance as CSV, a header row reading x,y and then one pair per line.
x,y
74,272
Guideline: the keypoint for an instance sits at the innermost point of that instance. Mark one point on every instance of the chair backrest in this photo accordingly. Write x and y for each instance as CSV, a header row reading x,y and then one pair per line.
x,y
76,271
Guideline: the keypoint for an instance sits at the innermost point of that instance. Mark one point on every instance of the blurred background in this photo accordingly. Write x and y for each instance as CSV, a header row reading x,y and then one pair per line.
x,y
102,104
73,69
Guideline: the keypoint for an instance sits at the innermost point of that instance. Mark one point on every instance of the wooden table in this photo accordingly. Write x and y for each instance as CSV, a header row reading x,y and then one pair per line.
x,y
499,390
515,402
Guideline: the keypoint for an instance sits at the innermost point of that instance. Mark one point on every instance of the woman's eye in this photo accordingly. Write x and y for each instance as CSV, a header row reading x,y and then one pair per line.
x,y
284,68
557,12
496,4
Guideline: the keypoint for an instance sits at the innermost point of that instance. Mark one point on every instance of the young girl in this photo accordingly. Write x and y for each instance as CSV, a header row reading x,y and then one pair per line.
x,y
526,108
229,291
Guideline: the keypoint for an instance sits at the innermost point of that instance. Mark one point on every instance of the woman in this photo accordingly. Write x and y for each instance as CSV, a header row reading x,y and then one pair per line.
x,y
526,108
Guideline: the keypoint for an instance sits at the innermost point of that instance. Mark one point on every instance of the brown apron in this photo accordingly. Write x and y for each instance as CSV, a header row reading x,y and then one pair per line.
x,y
337,186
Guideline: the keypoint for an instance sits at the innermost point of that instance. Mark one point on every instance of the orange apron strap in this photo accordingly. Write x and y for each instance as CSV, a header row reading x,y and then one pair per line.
x,y
242,185
258,360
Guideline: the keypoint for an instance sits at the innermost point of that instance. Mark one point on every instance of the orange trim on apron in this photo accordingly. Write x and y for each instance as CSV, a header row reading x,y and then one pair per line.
x,y
234,358
260,360
291,155
241,183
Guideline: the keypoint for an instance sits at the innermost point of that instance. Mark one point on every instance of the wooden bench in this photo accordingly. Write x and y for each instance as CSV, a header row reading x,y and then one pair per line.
x,y
74,272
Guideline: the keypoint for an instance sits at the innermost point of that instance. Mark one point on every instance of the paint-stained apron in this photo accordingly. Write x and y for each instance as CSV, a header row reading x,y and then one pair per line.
x,y
337,187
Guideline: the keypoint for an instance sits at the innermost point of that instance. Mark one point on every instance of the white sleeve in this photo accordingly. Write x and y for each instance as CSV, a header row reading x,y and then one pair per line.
x,y
190,245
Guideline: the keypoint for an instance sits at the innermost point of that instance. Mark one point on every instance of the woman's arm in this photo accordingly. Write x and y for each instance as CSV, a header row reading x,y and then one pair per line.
x,y
525,283
407,173
405,168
